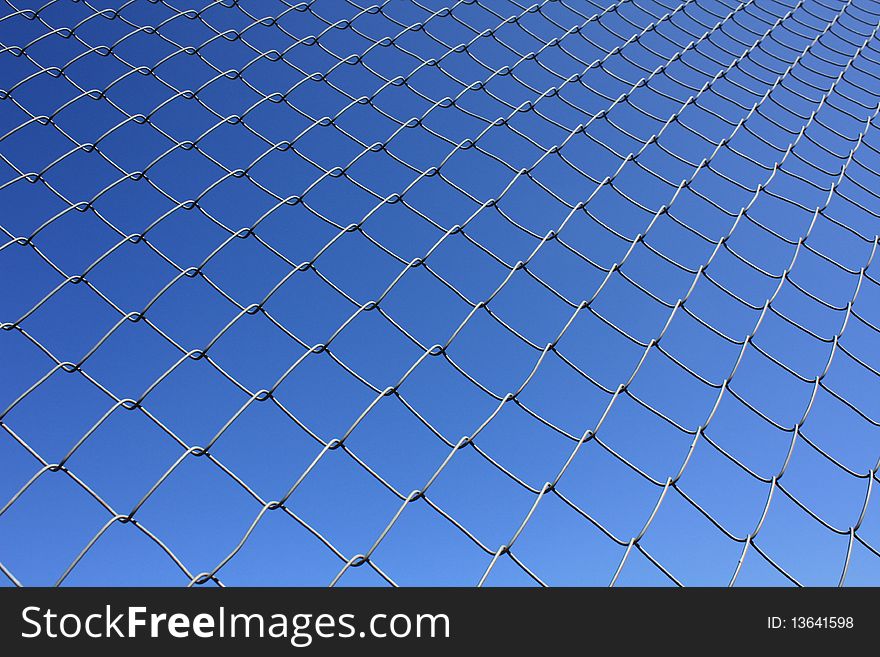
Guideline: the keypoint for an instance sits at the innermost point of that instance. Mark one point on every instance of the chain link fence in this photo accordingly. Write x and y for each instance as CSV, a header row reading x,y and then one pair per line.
x,y
422,292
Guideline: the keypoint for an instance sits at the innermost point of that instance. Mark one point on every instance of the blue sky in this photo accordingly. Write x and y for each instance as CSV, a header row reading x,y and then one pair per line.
x,y
597,280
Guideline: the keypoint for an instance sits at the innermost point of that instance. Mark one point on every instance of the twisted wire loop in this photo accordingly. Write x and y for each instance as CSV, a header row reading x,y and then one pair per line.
x,y
619,253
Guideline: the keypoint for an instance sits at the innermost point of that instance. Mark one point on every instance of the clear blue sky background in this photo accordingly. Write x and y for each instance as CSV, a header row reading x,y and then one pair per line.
x,y
193,197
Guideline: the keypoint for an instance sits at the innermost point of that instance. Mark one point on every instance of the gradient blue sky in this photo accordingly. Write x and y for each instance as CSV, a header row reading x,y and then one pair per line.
x,y
185,164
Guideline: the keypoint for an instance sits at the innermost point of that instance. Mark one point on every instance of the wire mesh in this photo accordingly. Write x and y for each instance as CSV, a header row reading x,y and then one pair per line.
x,y
425,292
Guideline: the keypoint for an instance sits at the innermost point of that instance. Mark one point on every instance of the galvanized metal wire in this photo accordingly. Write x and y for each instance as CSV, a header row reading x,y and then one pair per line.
x,y
702,99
